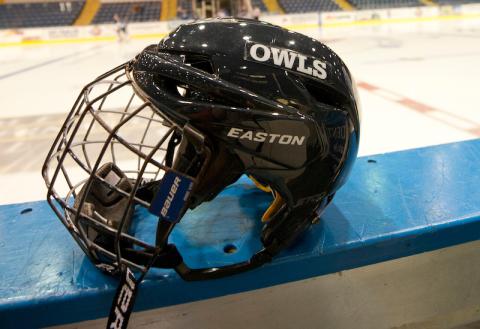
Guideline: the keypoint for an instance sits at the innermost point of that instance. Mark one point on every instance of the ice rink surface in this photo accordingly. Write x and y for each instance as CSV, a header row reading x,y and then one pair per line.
x,y
418,82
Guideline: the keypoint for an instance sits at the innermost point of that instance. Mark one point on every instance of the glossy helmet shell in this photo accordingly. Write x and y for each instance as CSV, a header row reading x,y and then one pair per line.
x,y
274,104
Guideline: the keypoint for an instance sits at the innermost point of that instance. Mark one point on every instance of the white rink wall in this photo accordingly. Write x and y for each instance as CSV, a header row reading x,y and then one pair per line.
x,y
325,20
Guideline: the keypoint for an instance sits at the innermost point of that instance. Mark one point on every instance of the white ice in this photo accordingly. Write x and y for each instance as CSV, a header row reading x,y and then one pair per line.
x,y
434,65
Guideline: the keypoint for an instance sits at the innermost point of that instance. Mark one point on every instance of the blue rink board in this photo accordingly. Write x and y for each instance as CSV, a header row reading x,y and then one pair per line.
x,y
394,205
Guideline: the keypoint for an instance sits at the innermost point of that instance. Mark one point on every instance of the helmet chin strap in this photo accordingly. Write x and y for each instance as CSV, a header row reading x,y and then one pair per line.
x,y
106,199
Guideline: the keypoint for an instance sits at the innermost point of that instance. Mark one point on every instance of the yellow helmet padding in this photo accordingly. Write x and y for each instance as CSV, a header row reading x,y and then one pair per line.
x,y
276,204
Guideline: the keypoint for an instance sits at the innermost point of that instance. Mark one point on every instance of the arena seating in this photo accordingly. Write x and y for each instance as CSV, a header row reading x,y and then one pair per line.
x,y
186,5
371,4
304,6
455,2
259,4
18,15
133,11
61,13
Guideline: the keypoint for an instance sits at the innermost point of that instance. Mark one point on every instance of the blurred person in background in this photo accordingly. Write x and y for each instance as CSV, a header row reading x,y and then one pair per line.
x,y
222,13
65,6
245,9
121,28
182,13
256,13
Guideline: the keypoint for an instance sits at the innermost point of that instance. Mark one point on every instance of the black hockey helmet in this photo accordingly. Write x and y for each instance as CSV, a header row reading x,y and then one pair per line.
x,y
170,129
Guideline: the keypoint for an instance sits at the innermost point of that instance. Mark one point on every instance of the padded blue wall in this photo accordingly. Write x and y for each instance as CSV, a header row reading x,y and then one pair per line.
x,y
394,205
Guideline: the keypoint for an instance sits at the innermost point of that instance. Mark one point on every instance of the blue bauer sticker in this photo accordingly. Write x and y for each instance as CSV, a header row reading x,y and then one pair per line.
x,y
172,196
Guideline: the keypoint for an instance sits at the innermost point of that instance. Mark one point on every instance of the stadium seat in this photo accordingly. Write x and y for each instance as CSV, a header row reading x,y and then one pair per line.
x,y
18,15
259,4
376,4
455,2
303,6
132,11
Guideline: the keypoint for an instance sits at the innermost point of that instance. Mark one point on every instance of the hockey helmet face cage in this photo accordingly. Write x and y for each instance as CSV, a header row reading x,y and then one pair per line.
x,y
172,128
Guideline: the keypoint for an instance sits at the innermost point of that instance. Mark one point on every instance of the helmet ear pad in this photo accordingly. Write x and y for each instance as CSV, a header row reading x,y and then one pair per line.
x,y
102,201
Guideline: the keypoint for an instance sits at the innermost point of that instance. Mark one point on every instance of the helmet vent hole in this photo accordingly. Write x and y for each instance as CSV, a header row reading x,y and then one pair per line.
x,y
182,91
230,249
322,94
199,61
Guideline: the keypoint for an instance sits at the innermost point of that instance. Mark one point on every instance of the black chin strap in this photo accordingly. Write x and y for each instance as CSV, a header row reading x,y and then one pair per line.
x,y
282,229
147,191
162,256
123,301
167,256
277,234
275,241
172,144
